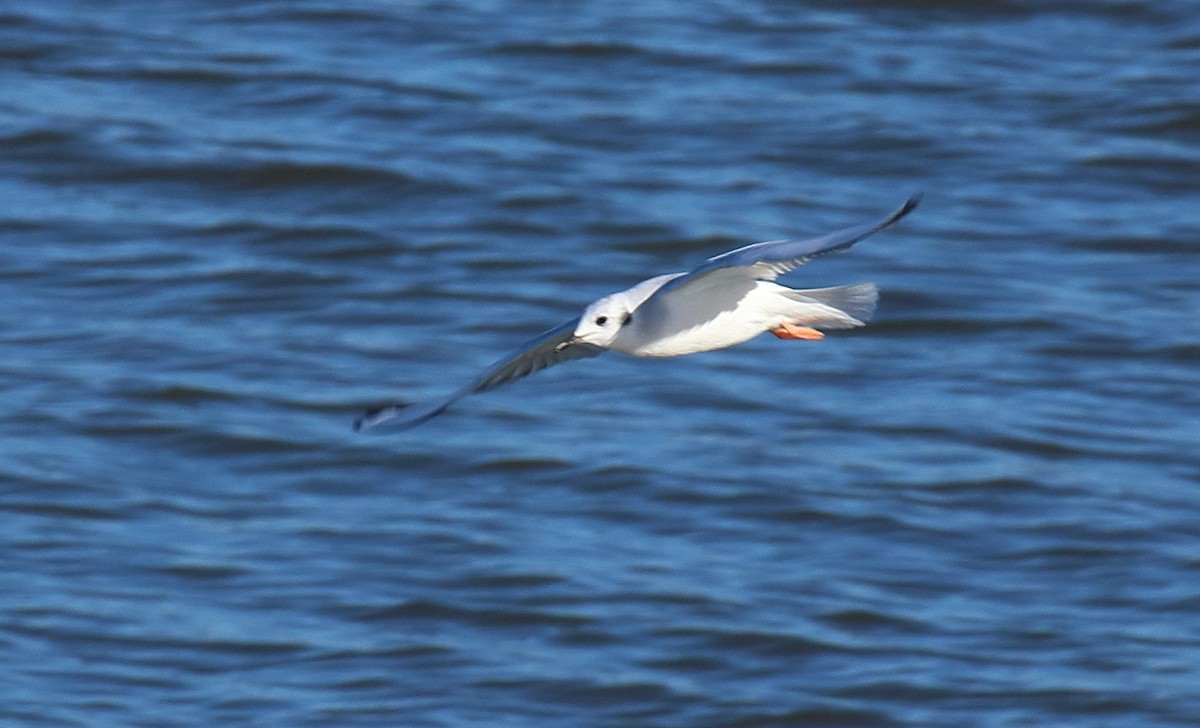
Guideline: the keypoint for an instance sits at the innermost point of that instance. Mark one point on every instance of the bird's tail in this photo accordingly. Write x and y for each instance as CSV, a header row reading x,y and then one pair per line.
x,y
842,307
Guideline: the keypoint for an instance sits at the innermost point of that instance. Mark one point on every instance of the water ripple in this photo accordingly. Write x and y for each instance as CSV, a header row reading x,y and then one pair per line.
x,y
230,228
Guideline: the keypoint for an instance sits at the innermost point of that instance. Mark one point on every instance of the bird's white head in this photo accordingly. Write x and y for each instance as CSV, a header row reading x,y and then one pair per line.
x,y
603,320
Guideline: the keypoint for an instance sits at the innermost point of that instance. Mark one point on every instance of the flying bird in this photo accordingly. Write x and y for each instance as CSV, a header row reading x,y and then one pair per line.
x,y
726,300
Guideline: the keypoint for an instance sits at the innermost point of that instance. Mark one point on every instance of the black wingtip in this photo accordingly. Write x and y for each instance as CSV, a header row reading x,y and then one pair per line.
x,y
363,422
909,205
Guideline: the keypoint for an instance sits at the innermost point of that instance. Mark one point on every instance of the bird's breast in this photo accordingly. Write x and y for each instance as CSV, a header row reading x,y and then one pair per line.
x,y
726,328
701,319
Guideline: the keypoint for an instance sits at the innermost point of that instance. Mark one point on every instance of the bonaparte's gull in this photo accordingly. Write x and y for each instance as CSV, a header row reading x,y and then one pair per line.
x,y
727,299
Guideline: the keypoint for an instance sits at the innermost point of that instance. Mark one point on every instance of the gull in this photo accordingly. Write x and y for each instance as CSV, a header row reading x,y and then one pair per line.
x,y
726,300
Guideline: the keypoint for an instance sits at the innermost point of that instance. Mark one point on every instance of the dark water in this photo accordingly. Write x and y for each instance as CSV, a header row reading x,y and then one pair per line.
x,y
229,227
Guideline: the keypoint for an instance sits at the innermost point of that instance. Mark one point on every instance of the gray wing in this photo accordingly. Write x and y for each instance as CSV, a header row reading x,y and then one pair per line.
x,y
768,261
540,352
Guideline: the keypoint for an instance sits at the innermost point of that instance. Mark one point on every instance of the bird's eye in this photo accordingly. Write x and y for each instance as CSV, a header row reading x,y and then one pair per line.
x,y
601,320
625,321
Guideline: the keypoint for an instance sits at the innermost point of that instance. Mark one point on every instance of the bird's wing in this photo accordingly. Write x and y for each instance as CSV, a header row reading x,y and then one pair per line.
x,y
540,352
768,261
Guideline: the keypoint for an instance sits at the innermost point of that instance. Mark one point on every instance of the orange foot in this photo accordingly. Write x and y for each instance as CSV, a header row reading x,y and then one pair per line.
x,y
792,331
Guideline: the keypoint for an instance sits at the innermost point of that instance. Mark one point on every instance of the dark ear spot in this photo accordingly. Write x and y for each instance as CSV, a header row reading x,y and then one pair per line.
x,y
625,321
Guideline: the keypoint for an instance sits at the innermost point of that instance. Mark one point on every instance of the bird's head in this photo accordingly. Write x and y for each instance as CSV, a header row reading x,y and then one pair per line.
x,y
603,320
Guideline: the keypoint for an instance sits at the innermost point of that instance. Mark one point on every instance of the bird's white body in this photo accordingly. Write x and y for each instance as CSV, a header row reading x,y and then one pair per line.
x,y
728,299
713,316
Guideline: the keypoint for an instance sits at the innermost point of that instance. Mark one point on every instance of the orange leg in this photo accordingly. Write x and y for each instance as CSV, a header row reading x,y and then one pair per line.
x,y
792,331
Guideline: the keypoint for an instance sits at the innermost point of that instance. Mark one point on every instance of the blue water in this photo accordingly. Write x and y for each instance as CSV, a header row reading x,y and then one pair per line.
x,y
229,227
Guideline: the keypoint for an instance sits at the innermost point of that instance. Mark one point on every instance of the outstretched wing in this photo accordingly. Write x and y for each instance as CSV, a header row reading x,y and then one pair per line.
x,y
546,350
768,261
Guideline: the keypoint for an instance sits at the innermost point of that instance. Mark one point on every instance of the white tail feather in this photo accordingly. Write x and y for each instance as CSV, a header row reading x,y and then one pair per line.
x,y
852,305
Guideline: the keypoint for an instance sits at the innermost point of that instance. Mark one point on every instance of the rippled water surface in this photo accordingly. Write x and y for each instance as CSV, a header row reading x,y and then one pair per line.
x,y
228,227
